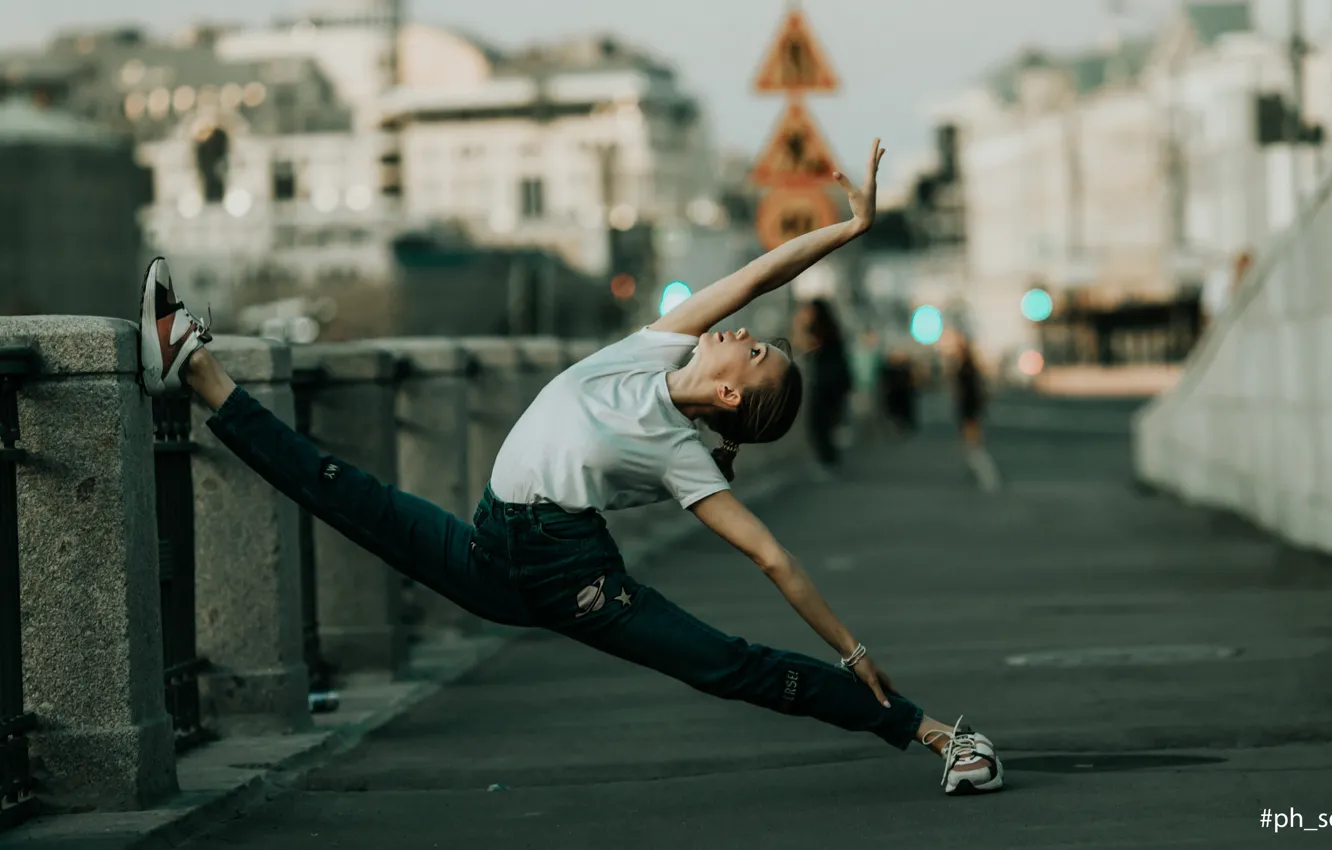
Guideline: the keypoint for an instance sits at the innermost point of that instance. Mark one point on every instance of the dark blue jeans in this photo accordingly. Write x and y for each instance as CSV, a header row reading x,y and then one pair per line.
x,y
539,566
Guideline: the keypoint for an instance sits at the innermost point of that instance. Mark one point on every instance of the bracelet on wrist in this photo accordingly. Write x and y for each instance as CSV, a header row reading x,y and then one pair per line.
x,y
854,658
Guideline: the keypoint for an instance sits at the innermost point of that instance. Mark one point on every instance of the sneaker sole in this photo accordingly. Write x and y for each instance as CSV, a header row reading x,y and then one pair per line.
x,y
966,788
150,352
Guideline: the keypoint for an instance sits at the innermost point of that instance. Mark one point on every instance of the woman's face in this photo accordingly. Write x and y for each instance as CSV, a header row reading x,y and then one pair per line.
x,y
736,360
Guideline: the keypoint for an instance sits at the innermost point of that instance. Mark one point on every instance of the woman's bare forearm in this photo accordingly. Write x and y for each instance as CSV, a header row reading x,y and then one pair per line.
x,y
787,261
799,590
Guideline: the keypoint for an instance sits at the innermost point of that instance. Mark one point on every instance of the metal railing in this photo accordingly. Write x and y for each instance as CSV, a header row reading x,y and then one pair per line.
x,y
16,783
175,542
304,384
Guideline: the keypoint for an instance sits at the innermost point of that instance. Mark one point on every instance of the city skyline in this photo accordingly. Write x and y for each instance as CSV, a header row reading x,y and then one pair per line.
x,y
924,60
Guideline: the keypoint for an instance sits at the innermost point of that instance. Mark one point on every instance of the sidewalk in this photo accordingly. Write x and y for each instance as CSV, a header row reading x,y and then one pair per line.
x,y
1153,676
223,779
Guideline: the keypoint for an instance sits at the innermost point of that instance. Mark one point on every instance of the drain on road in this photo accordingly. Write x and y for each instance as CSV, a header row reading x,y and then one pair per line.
x,y
1104,762
1124,657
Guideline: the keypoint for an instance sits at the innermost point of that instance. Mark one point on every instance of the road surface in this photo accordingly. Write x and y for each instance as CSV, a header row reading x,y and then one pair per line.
x,y
1155,676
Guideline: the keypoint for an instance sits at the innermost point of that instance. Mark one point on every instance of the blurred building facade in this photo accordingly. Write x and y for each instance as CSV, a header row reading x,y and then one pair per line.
x,y
1126,181
296,160
245,159
555,146
69,237
354,43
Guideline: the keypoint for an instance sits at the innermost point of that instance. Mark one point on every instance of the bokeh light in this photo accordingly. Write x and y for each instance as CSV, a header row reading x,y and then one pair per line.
x,y
927,325
674,294
1037,305
1030,363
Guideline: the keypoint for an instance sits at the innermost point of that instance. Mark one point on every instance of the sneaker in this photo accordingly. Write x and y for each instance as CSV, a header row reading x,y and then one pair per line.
x,y
168,333
970,763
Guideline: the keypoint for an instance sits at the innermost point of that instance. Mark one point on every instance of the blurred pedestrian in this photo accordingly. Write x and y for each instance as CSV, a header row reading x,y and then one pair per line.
x,y
866,368
970,400
617,430
830,379
899,393
968,392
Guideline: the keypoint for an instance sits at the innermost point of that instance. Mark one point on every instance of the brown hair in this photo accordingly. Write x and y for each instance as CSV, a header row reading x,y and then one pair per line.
x,y
765,414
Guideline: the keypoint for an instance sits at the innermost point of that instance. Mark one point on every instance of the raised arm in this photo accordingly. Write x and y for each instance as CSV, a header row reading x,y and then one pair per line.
x,y
733,522
779,266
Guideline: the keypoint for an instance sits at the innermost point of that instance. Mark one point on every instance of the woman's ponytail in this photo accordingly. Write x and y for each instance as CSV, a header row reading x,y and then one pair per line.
x,y
724,455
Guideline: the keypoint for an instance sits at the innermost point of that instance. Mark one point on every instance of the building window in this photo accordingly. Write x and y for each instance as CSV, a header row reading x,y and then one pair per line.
x,y
150,192
533,201
284,181
211,158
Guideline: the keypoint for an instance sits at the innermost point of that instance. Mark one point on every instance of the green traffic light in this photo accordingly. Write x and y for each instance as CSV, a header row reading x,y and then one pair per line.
x,y
1037,305
671,297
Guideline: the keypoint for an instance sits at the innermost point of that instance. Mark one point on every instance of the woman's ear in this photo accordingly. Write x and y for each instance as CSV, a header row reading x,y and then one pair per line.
x,y
728,396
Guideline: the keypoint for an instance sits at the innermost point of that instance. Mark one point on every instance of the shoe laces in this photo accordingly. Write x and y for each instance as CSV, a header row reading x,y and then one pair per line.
x,y
960,745
204,335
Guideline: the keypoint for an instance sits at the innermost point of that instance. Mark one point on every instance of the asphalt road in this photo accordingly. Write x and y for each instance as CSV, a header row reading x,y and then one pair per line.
x,y
1155,676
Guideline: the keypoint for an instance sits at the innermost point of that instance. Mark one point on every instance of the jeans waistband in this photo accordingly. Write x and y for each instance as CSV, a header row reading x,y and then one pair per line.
x,y
537,512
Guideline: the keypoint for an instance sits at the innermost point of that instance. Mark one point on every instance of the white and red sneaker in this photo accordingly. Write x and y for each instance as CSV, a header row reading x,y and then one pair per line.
x,y
970,763
168,333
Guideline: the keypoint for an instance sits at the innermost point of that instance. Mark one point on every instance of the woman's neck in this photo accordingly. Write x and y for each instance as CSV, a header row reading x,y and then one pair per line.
x,y
690,395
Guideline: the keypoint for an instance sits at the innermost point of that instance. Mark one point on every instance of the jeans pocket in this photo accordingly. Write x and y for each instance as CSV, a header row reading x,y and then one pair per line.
x,y
571,529
563,533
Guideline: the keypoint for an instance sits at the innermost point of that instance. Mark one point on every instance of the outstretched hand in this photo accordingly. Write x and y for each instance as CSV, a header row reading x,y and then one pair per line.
x,y
863,198
876,679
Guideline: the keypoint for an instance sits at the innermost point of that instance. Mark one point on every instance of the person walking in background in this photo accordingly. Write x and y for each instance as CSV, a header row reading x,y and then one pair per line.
x,y
969,396
830,379
897,388
866,366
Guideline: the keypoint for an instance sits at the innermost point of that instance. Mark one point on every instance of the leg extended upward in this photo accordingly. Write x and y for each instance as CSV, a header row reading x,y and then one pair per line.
x,y
412,535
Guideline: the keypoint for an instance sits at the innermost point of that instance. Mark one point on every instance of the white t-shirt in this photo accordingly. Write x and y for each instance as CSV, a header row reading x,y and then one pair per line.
x,y
605,434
